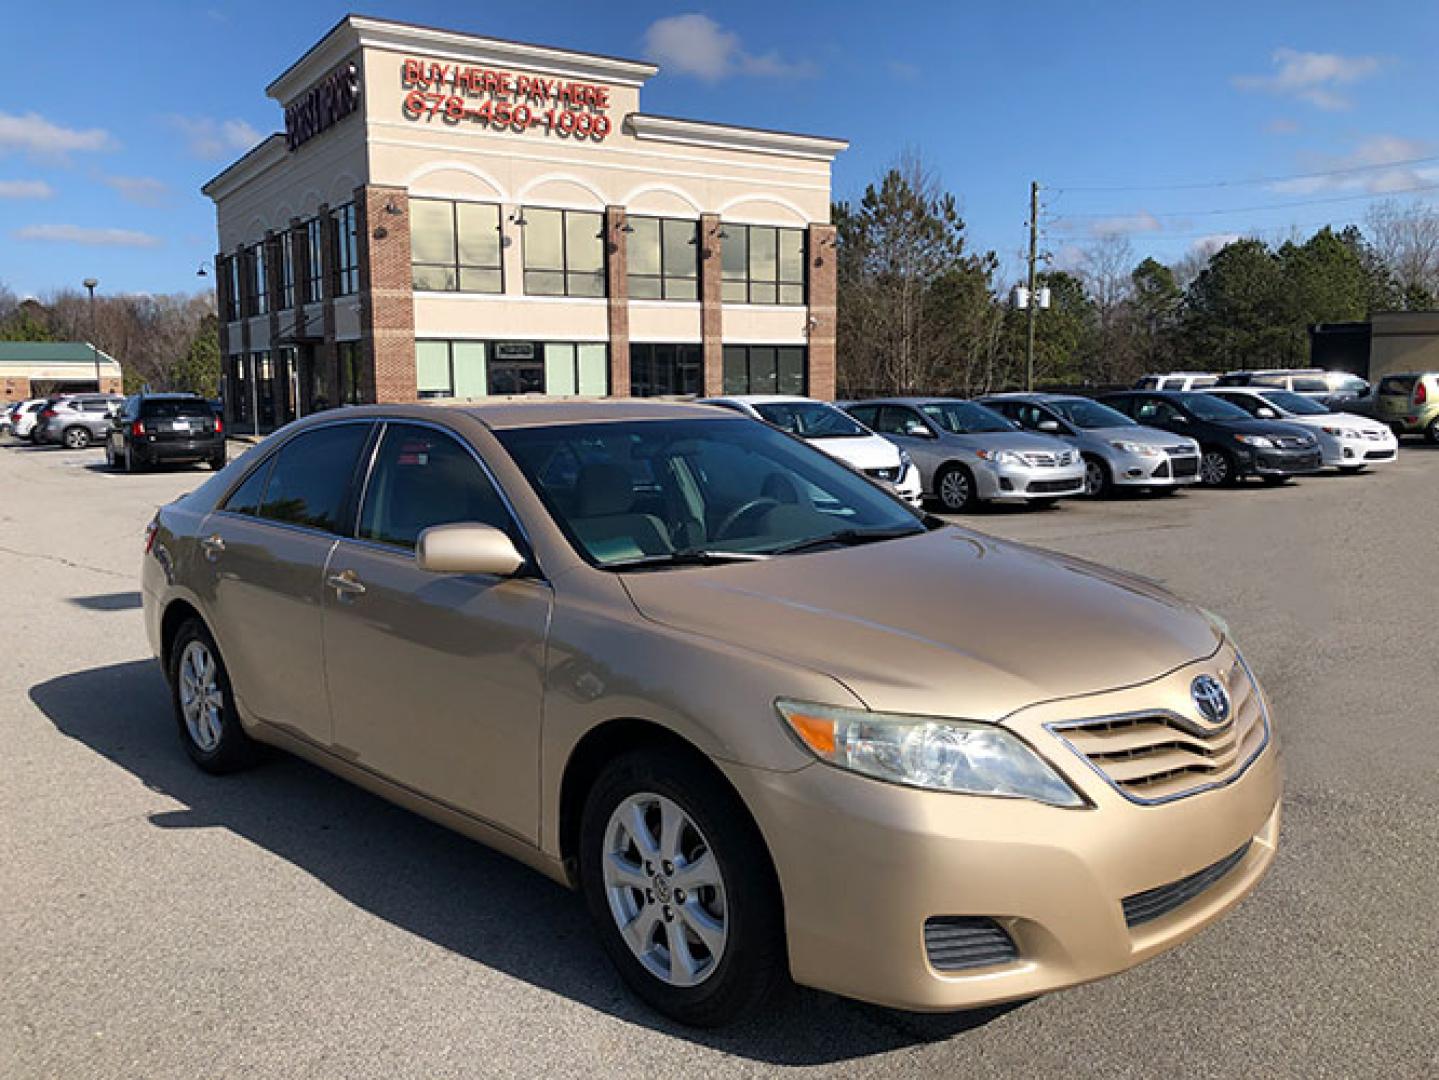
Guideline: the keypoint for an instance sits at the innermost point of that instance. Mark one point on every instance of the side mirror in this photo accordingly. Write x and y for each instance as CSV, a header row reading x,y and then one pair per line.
x,y
919,431
467,547
1264,412
1051,426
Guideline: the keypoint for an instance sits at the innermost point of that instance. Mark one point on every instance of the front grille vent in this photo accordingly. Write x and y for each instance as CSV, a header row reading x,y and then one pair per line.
x,y
958,942
1156,757
1154,903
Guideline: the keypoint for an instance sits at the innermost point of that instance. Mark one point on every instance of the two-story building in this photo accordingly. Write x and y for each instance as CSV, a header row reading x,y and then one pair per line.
x,y
457,217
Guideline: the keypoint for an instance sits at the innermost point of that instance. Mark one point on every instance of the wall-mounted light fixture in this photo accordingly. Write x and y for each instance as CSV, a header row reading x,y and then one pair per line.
x,y
518,219
391,208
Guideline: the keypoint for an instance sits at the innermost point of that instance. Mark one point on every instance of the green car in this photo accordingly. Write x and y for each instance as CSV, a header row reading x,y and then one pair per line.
x,y
1407,403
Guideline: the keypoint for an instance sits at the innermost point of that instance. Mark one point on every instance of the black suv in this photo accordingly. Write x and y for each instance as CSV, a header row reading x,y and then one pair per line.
x,y
151,428
1232,444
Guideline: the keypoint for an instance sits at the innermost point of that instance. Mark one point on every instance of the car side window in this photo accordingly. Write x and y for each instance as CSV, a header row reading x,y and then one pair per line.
x,y
897,420
423,477
1157,411
1249,404
245,499
311,477
865,414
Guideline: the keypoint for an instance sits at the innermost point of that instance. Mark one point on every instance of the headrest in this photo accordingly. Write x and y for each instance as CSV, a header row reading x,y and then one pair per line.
x,y
604,489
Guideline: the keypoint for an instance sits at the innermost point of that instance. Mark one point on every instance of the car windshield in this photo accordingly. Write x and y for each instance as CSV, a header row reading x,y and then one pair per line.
x,y
966,418
1083,413
810,419
675,492
1209,407
169,408
1294,403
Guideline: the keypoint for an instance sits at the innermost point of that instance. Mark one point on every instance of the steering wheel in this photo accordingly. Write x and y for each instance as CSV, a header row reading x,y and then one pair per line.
x,y
754,506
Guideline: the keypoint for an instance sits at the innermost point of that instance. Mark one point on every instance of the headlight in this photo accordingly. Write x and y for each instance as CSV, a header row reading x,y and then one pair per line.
x,y
905,461
1263,441
1142,449
1343,433
1000,457
934,753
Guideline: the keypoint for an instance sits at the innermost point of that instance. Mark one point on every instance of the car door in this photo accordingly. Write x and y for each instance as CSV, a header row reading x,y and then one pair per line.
x,y
265,550
436,680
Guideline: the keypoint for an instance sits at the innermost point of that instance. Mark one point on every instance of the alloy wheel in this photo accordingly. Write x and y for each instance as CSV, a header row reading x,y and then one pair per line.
x,y
1093,478
202,702
1213,468
77,438
665,889
954,489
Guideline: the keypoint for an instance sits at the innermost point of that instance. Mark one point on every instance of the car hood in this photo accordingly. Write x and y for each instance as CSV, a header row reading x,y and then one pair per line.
x,y
1010,440
950,622
861,451
1145,436
1262,427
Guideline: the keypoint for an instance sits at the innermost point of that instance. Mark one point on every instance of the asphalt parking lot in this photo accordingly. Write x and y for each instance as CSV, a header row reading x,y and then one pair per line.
x,y
158,922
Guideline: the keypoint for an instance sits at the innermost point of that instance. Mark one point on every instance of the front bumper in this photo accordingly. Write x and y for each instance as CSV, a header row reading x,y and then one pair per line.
x,y
1257,461
1022,483
1168,470
158,449
1341,452
863,864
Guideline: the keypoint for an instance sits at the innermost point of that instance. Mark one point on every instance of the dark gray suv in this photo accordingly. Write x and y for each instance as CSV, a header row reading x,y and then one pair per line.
x,y
153,428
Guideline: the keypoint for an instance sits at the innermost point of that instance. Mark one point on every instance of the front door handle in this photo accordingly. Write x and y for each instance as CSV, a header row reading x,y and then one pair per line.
x,y
213,545
346,583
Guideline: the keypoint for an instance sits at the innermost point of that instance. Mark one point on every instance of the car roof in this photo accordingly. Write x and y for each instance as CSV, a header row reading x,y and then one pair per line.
x,y
1037,397
765,399
521,414
933,400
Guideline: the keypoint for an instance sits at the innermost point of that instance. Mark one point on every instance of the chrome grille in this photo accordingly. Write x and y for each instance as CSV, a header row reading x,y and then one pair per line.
x,y
883,474
1161,756
1292,442
1039,459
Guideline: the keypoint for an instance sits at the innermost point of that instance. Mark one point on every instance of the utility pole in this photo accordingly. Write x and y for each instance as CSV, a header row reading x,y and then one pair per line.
x,y
1033,258
90,284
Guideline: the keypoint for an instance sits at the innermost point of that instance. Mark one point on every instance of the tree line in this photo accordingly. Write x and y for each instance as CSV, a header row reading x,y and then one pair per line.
x,y
168,342
919,311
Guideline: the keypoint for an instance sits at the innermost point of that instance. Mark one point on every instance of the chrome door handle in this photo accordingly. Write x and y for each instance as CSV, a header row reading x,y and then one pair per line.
x,y
213,545
346,583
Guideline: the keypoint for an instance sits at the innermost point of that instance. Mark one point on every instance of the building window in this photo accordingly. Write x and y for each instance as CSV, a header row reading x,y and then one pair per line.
x,y
663,256
763,265
313,291
346,251
258,266
455,246
477,369
232,288
764,369
352,374
238,390
285,297
564,252
666,370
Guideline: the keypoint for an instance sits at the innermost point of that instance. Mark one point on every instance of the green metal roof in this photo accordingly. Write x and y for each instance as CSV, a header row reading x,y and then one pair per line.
x,y
49,352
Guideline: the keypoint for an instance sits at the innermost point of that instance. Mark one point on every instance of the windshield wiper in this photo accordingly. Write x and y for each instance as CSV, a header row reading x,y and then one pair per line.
x,y
846,538
686,557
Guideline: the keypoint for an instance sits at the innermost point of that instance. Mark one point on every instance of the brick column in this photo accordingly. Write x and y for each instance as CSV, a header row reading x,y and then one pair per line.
x,y
326,356
387,295
617,289
823,290
711,303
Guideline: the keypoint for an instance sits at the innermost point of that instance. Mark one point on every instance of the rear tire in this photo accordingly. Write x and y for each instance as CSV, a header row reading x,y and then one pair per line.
x,y
217,461
204,703
1431,433
651,816
954,488
75,438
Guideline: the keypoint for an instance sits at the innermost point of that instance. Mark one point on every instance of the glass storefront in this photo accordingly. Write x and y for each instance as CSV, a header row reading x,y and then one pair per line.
x,y
658,369
477,369
764,369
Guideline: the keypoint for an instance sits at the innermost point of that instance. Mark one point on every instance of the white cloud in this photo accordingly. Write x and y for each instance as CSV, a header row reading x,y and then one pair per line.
x,y
694,44
1208,245
25,189
1312,77
1143,221
142,190
79,234
1363,169
210,138
34,135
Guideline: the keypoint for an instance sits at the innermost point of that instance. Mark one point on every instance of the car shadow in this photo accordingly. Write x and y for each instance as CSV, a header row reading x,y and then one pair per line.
x,y
435,884
119,601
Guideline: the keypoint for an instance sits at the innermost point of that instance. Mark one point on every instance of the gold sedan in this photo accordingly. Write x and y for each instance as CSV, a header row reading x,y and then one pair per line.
x,y
772,722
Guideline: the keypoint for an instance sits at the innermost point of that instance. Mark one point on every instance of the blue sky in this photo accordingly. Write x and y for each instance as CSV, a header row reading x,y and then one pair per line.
x,y
112,115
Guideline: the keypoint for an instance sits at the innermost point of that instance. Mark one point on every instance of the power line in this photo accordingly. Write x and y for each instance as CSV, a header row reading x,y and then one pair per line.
x,y
1252,209
1203,184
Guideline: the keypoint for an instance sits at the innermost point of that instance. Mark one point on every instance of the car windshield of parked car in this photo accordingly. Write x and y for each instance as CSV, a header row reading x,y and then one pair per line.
x,y
1295,403
810,419
1209,407
1086,414
671,492
966,418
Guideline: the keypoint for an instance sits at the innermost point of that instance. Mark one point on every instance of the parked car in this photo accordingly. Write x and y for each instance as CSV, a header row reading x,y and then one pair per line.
x,y
154,428
1347,442
1117,451
24,416
763,741
6,417
1408,403
968,454
1330,387
838,434
78,420
1177,380
1233,445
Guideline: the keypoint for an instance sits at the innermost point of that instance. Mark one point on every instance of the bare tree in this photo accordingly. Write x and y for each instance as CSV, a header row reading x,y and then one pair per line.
x,y
1104,267
1406,238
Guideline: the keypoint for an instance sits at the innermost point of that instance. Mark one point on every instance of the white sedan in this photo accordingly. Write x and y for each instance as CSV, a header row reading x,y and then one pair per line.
x,y
1347,442
836,433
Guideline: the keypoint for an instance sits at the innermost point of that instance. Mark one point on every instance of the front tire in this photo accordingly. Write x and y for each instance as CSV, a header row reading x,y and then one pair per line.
x,y
679,885
205,704
954,488
76,438
1217,469
1097,482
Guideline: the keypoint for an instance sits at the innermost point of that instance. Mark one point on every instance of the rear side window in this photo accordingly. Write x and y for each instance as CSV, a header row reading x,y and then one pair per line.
x,y
1402,385
311,477
1310,385
423,477
245,499
169,408
865,414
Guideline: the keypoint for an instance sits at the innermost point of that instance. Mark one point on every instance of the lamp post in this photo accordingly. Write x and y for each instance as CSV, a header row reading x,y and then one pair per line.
x,y
90,284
